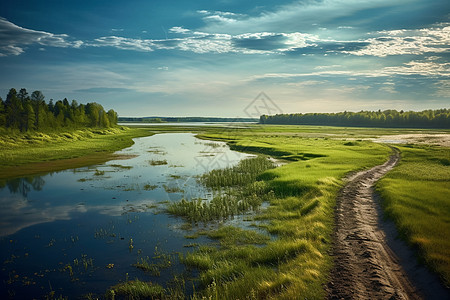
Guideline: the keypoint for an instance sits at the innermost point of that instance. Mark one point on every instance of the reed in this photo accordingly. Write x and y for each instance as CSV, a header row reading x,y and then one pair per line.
x,y
236,191
240,175
136,289
155,162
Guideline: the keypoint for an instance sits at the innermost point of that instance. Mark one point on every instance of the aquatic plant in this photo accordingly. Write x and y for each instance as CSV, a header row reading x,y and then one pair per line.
x,y
242,192
219,207
136,289
99,173
150,187
160,260
244,173
172,189
154,162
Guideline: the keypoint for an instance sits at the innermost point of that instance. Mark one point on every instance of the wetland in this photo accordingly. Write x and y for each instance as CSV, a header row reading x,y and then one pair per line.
x,y
81,230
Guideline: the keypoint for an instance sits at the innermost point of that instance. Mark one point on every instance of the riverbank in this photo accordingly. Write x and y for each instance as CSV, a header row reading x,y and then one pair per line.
x,y
34,153
299,216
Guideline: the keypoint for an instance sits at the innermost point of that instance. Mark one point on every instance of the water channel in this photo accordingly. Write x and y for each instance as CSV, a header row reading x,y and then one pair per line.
x,y
80,231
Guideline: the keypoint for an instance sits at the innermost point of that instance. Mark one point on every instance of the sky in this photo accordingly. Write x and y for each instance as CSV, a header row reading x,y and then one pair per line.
x,y
215,58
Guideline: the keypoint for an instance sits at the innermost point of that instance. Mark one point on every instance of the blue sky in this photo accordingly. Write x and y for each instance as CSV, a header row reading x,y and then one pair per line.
x,y
212,58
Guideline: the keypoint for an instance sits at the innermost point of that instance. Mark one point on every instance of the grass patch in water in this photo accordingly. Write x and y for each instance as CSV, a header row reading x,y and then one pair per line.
x,y
99,173
172,189
136,289
243,193
242,174
150,187
157,151
155,162
154,268
121,166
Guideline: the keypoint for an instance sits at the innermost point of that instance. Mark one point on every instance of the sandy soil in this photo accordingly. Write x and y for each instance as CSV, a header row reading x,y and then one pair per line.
x,y
428,139
366,267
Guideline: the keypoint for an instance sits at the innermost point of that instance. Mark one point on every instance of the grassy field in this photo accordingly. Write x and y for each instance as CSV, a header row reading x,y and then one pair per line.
x,y
416,196
33,153
286,254
294,263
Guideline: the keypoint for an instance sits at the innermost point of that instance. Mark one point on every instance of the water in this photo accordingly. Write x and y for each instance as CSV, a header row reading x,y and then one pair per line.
x,y
71,231
191,124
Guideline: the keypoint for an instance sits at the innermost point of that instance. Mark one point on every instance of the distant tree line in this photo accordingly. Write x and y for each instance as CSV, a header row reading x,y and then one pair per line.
x,y
23,112
184,119
439,118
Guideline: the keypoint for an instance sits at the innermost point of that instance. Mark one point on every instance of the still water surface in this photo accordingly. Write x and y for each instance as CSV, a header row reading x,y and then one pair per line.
x,y
79,231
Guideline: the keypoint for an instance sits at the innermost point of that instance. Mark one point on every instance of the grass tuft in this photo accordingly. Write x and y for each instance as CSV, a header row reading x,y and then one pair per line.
x,y
415,197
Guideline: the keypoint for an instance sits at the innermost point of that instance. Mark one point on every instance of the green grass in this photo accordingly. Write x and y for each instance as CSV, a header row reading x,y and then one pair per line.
x,y
295,264
230,236
135,289
163,261
416,196
154,162
243,193
240,175
34,153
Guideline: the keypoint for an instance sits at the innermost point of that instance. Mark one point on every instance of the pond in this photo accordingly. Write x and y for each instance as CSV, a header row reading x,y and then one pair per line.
x,y
80,231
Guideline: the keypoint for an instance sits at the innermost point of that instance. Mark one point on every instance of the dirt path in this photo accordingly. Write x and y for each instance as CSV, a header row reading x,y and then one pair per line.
x,y
365,265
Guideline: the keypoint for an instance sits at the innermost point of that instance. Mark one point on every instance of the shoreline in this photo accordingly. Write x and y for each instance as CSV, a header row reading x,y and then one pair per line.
x,y
86,151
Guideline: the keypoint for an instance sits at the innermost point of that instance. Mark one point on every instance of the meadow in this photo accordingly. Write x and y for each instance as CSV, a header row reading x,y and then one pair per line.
x,y
285,254
298,221
30,153
415,195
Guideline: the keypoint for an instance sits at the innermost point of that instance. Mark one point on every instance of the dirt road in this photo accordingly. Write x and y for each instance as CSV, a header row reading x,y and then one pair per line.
x,y
365,265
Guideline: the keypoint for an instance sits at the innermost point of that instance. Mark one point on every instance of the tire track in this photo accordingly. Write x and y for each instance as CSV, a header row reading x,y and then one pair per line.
x,y
365,266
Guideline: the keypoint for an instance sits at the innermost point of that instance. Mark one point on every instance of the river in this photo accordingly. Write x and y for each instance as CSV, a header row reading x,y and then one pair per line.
x,y
79,231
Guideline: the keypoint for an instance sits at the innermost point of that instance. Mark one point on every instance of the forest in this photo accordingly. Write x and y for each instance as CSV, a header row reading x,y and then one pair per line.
x,y
439,118
23,112
184,119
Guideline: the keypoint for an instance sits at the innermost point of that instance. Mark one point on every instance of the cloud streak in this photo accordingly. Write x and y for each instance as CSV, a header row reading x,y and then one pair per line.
x,y
401,42
14,39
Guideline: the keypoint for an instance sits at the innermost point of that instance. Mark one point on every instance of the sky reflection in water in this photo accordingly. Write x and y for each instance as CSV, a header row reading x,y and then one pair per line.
x,y
48,221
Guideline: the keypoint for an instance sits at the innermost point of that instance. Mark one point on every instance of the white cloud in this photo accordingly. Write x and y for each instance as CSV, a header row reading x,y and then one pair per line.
x,y
8,50
180,30
442,88
401,42
434,40
123,43
14,39
422,68
212,44
220,16
295,15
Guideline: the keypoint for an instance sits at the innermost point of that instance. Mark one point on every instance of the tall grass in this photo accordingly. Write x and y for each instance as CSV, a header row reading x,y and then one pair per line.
x,y
242,174
135,289
416,197
296,263
243,193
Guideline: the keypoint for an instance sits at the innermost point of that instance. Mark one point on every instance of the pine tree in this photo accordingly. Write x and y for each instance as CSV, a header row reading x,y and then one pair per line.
x,y
38,105
2,113
13,110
